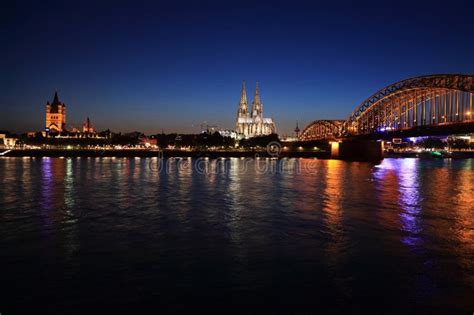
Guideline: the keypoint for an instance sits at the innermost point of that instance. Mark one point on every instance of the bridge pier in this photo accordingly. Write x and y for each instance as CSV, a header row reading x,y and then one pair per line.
x,y
357,150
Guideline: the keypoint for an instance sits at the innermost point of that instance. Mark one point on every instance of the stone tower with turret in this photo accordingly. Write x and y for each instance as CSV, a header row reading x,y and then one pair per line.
x,y
55,115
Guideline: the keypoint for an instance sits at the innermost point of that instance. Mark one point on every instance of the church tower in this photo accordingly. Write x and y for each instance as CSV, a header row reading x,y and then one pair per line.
x,y
55,115
243,106
87,126
243,118
252,124
257,114
257,107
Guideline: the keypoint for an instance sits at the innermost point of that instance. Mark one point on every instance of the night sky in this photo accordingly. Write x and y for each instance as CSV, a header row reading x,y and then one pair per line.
x,y
172,65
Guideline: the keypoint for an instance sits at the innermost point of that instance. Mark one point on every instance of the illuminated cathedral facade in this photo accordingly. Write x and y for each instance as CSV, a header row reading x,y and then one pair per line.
x,y
55,115
252,124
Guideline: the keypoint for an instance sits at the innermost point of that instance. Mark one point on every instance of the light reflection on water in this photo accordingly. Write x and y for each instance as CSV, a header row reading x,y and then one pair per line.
x,y
404,174
298,228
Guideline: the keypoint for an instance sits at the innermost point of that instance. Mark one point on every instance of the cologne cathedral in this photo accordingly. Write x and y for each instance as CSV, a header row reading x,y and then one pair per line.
x,y
252,124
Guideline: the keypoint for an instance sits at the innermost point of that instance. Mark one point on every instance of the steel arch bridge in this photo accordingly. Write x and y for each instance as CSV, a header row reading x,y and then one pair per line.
x,y
416,102
322,129
433,100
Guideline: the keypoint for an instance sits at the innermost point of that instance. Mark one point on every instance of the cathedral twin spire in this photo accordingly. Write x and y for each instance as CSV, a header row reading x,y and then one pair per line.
x,y
256,104
243,106
252,124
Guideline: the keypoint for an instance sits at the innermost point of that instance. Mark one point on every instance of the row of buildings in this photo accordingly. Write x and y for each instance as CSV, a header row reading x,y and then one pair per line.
x,y
56,119
248,123
55,125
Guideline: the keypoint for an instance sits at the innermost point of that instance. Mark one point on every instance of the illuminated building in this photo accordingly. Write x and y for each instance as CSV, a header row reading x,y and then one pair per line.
x,y
87,126
151,141
252,124
55,115
7,140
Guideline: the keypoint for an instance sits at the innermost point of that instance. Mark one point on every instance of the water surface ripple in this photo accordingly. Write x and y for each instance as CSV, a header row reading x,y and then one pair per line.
x,y
289,236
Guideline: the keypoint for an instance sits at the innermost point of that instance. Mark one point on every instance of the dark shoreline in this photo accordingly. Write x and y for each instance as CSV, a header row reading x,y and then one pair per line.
x,y
159,153
427,155
209,154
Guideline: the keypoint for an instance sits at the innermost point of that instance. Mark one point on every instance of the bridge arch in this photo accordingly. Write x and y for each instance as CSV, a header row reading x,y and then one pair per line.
x,y
322,129
431,100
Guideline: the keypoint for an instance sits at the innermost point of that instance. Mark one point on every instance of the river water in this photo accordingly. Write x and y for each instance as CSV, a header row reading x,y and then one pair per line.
x,y
236,235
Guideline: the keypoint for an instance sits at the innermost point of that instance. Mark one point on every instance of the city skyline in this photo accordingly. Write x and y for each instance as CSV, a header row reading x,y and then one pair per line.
x,y
171,67
239,156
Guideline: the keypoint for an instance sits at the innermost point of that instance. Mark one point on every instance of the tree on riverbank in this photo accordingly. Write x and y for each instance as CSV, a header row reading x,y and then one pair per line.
x,y
458,144
261,141
432,143
202,141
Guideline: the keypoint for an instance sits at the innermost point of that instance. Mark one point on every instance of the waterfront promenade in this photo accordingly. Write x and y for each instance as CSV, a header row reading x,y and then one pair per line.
x,y
262,153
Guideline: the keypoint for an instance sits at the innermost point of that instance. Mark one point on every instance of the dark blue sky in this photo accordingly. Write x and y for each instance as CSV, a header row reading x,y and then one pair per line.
x,y
171,65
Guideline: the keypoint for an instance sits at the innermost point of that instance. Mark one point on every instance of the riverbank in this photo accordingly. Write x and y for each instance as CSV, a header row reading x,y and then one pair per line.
x,y
211,154
431,155
159,153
